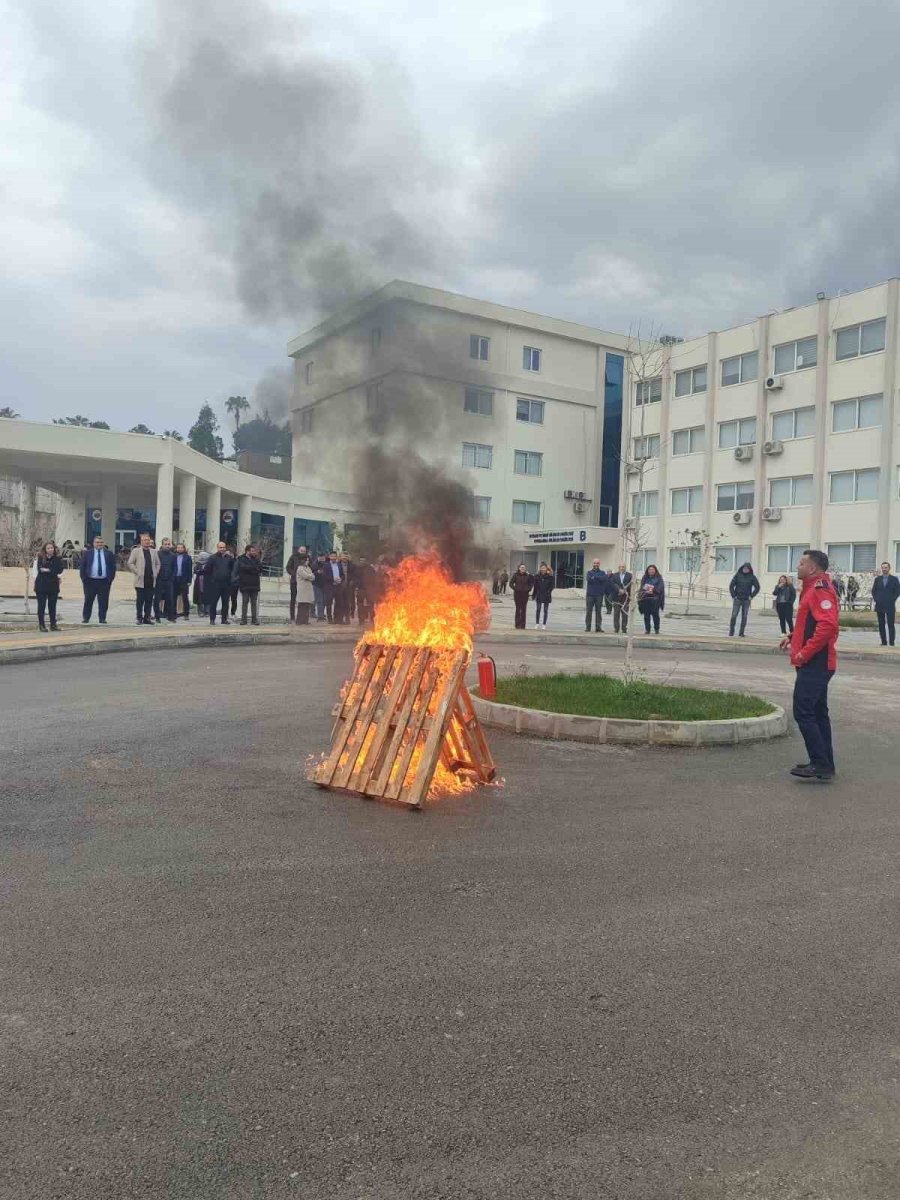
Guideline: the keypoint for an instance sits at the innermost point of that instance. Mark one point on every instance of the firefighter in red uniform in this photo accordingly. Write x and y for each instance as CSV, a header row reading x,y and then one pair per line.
x,y
813,652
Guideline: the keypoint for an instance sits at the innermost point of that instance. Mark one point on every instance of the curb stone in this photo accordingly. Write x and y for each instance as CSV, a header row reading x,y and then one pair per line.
x,y
578,728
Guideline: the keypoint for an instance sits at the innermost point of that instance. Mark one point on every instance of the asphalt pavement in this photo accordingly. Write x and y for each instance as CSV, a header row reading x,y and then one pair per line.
x,y
627,974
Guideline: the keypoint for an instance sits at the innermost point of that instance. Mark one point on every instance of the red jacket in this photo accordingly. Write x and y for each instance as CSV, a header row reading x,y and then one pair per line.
x,y
814,642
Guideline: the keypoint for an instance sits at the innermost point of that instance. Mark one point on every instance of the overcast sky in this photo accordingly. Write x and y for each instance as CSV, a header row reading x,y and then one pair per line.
x,y
184,186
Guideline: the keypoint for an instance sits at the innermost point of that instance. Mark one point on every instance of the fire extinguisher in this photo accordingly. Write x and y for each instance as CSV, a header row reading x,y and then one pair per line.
x,y
487,677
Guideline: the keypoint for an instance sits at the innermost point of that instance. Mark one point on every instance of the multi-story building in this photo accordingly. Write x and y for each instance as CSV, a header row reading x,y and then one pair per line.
x,y
525,409
773,436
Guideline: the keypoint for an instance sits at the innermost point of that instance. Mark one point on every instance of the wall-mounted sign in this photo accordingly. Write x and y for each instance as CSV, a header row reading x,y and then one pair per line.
x,y
96,514
543,537
228,517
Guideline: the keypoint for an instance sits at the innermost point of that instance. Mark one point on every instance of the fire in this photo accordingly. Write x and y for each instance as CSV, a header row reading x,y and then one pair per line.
x,y
424,607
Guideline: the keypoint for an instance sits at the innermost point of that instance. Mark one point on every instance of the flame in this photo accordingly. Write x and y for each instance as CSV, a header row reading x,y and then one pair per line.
x,y
424,607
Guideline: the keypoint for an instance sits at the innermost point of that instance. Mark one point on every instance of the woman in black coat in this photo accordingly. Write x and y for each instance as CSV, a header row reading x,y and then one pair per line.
x,y
785,595
48,566
651,597
522,585
543,593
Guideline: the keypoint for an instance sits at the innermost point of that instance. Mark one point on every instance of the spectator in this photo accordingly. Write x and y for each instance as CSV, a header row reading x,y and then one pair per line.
x,y
234,589
291,567
319,568
852,591
200,582
597,584
495,583
522,584
885,591
785,595
164,595
620,594
813,650
143,563
743,587
345,596
544,583
97,571
217,584
246,572
303,576
76,555
651,597
504,581
182,570
45,571
332,579
365,590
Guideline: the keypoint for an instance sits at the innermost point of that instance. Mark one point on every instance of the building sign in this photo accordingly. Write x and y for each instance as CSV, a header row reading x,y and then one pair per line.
x,y
543,536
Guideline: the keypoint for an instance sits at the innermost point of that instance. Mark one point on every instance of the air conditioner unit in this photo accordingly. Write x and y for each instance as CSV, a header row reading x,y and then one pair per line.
x,y
579,495
774,383
632,469
578,506
774,447
629,523
743,453
742,517
771,514
568,494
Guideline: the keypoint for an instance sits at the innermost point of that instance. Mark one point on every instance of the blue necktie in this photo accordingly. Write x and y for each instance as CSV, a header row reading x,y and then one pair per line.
x,y
98,564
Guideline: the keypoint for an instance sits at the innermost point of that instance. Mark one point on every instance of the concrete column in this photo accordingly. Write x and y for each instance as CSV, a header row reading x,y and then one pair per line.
x,y
886,493
213,515
245,512
165,492
27,506
109,507
187,509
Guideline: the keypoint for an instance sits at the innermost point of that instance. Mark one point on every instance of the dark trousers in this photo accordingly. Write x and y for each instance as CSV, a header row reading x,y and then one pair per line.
x,y
328,604
363,608
251,598
46,602
319,602
651,613
594,604
886,625
521,599
233,592
539,606
785,617
294,599
182,592
303,613
620,617
100,589
811,715
341,606
741,607
143,603
164,600
213,594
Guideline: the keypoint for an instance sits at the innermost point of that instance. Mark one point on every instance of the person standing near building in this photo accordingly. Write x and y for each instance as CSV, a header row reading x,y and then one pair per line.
x,y
217,582
785,597
291,568
743,587
247,572
143,563
319,568
596,586
522,585
813,650
200,582
164,596
97,571
544,583
332,579
885,592
651,597
45,571
504,581
620,594
182,571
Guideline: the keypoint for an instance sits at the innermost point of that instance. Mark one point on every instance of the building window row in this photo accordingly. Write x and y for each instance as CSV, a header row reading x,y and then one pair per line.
x,y
480,401
480,455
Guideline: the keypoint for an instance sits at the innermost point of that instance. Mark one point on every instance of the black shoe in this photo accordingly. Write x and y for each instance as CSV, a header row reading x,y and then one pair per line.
x,y
54,628
244,622
803,766
825,775
103,620
43,628
254,622
88,623
224,622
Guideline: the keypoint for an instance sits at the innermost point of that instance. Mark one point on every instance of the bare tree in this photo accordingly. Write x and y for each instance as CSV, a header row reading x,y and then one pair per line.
x,y
24,529
697,547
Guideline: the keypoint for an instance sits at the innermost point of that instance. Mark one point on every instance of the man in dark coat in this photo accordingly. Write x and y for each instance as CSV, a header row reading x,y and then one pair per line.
x,y
247,573
164,595
744,586
595,588
333,577
182,572
620,592
217,582
97,571
522,584
885,592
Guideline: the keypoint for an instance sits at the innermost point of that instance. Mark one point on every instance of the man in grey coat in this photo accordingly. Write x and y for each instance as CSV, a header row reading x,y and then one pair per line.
x,y
143,563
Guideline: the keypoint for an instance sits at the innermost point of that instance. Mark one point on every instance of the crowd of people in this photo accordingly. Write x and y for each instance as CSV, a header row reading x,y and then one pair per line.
x,y
609,590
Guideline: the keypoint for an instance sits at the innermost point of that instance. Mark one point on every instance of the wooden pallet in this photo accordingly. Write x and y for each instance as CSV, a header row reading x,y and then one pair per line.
x,y
405,709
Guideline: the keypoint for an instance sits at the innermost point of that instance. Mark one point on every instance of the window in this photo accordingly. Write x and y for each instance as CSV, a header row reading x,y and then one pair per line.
x,y
687,500
731,497
481,508
528,462
644,504
782,560
480,401
728,558
795,423
740,369
531,358
309,373
648,391
690,381
847,486
647,447
530,410
684,559
795,356
376,339
479,347
476,455
526,512
855,340
689,441
737,433
851,556
862,413
792,491
306,420
642,559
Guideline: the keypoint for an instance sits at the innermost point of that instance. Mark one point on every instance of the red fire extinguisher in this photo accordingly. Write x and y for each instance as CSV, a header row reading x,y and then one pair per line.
x,y
487,677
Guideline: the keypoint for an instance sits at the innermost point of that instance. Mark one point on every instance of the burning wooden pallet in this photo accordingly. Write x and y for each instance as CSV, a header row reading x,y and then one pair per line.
x,y
405,714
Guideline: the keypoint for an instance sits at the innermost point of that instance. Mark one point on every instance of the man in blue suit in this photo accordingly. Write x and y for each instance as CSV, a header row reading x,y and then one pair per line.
x,y
885,592
97,571
182,572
